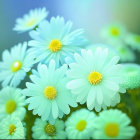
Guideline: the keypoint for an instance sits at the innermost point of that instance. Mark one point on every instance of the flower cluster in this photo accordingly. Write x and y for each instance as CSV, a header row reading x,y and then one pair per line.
x,y
70,84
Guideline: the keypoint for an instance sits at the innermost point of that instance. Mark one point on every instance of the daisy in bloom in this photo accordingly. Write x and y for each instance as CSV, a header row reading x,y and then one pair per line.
x,y
11,128
12,102
113,124
44,130
80,125
48,95
55,40
30,20
131,74
15,64
114,32
94,78
134,41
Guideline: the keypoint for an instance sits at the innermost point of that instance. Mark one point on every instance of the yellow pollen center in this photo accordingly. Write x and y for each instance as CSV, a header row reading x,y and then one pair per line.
x,y
95,77
12,129
30,23
50,129
111,129
10,106
81,125
137,38
55,45
16,66
114,31
50,92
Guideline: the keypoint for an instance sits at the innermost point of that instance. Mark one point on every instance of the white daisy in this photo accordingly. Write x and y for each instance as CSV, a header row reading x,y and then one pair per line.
x,y
44,130
15,64
80,125
94,78
113,124
11,128
30,20
12,102
48,95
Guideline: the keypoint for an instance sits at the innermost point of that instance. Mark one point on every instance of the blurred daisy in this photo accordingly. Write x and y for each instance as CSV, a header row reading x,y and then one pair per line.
x,y
11,128
134,41
55,40
48,95
113,124
12,102
131,74
94,78
15,64
30,20
44,130
114,32
80,125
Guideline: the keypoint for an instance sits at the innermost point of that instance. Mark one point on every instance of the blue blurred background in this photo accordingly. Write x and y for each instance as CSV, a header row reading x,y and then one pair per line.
x,y
92,15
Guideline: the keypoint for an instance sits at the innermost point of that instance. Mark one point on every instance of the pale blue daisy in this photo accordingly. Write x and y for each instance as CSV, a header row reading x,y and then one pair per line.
x,y
15,64
48,95
30,20
55,40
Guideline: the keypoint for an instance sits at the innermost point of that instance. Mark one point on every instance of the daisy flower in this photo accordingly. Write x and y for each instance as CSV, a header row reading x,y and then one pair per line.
x,y
55,40
94,78
134,41
11,128
48,95
113,124
80,125
114,32
131,74
15,64
44,130
12,102
30,20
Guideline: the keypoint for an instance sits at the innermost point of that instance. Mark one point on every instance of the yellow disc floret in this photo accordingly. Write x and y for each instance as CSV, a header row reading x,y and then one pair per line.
x,y
114,31
111,129
55,45
10,106
50,92
81,125
31,23
12,129
50,129
95,77
16,66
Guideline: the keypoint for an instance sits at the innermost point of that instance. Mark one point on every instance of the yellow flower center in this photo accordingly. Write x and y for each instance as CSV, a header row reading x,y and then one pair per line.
x,y
81,125
12,129
50,129
111,129
50,92
115,31
10,106
95,77
30,23
55,45
16,66
137,38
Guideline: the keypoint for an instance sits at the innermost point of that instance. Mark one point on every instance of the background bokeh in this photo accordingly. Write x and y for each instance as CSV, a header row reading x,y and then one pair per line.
x,y
92,15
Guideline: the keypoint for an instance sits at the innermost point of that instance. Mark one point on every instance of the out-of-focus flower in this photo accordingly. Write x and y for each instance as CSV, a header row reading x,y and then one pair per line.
x,y
48,95
134,41
11,128
30,20
12,102
55,40
113,124
94,78
80,125
15,64
131,74
44,130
